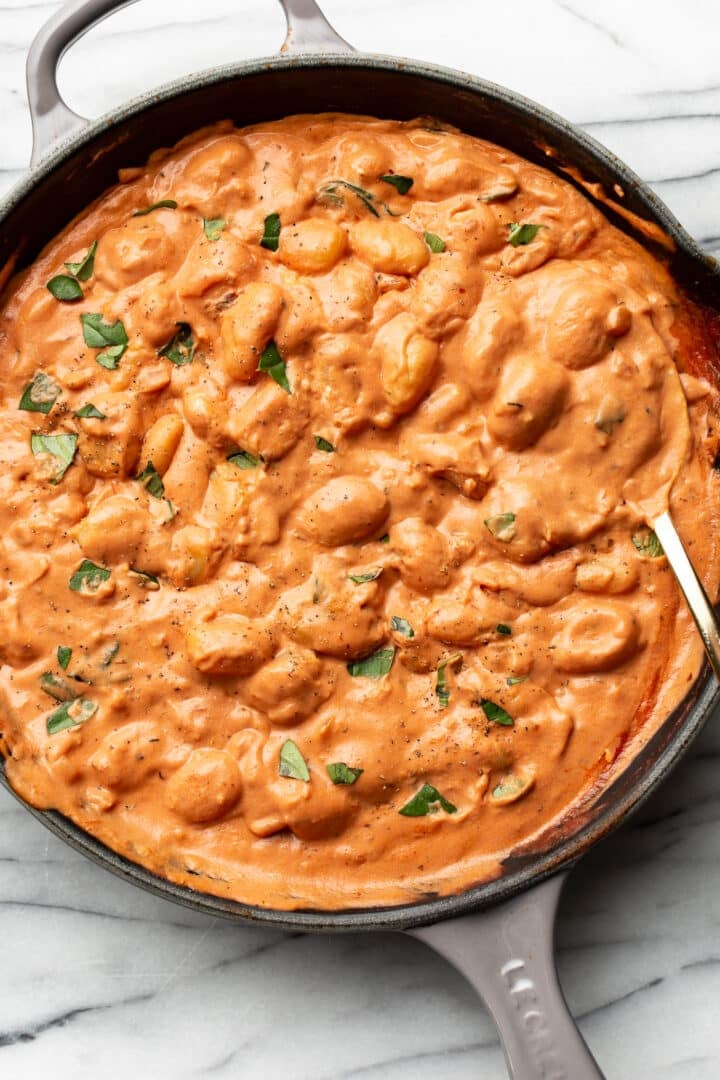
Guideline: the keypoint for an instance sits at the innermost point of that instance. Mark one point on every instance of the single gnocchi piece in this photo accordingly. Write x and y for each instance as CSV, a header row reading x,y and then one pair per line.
x,y
529,399
269,422
607,575
226,499
228,644
247,326
389,246
333,616
596,636
114,529
193,555
110,447
290,687
346,509
407,362
423,553
161,441
586,317
312,246
206,787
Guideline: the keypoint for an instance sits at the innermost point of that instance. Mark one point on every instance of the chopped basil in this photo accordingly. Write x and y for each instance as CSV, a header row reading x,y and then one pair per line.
x,y
271,232
61,447
71,714
110,655
40,395
172,513
442,690
369,575
64,656
59,689
402,626
292,763
89,411
180,349
245,460
502,527
323,444
502,628
402,184
374,666
272,362
88,577
151,479
610,415
509,785
522,234
340,773
384,539
65,288
648,544
146,578
97,334
84,269
427,800
513,680
329,193
164,204
434,242
495,712
213,227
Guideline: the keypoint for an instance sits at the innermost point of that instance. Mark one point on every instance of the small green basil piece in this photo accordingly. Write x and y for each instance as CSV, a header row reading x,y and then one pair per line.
x,y
323,444
648,544
442,690
522,234
434,242
427,800
40,395
340,773
110,655
384,539
59,689
374,666
61,447
89,411
502,527
369,575
164,204
292,763
402,184
172,513
214,227
146,578
111,357
503,628
88,577
65,288
402,626
272,362
151,480
329,193
64,655
84,269
244,459
71,714
496,713
271,232
180,349
509,785
98,334
610,420
513,680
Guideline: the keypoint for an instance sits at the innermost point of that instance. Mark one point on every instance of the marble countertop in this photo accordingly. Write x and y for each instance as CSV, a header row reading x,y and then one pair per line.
x,y
99,978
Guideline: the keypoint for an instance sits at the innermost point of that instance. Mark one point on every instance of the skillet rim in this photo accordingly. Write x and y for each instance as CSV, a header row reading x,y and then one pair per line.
x,y
679,728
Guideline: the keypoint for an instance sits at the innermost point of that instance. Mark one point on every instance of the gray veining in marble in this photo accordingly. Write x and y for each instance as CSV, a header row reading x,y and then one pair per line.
x,y
100,979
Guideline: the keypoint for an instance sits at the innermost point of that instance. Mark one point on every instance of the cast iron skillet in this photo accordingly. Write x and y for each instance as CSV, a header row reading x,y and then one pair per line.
x,y
500,934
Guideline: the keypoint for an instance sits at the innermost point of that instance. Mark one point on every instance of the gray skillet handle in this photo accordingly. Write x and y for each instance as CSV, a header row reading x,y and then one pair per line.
x,y
308,31
507,953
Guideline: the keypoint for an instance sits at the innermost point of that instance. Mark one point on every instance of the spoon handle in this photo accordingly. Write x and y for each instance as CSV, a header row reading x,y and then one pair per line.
x,y
698,601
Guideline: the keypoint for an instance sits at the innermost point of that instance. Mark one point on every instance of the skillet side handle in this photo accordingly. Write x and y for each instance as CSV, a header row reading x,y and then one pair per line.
x,y
507,954
51,118
308,31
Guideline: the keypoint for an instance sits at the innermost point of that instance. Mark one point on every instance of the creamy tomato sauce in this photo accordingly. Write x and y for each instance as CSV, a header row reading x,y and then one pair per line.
x,y
329,449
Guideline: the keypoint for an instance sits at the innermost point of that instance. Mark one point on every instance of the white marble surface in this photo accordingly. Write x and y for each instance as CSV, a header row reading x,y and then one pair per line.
x,y
100,979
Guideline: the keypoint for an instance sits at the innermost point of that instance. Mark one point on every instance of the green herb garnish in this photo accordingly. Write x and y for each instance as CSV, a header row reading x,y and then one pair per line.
x,y
110,655
214,227
65,288
323,444
648,544
369,575
434,242
502,527
58,689
340,773
427,800
509,785
442,690
61,447
64,656
271,232
244,459
146,578
402,184
84,269
495,712
272,362
71,714
151,479
292,763
40,395
164,204
89,411
329,193
514,680
180,349
402,626
88,577
374,666
503,628
97,334
522,234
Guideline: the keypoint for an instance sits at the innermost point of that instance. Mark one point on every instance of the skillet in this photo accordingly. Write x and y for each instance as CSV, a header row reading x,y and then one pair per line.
x,y
500,933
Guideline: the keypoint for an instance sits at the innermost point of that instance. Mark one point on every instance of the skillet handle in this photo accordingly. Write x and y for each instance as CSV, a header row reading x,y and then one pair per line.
x,y
507,954
308,31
